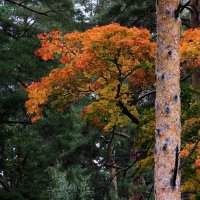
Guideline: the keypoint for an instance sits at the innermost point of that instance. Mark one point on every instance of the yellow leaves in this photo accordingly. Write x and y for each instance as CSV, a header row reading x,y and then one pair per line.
x,y
109,114
192,197
198,175
191,124
189,186
148,161
116,119
109,91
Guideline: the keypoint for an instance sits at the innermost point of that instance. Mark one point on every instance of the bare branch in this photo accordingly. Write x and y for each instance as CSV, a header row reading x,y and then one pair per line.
x,y
122,134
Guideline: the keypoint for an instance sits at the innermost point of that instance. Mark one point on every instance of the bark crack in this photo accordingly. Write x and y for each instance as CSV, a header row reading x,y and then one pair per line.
x,y
174,177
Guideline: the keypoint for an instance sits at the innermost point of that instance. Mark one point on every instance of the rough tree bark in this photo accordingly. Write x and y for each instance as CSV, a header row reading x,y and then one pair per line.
x,y
167,106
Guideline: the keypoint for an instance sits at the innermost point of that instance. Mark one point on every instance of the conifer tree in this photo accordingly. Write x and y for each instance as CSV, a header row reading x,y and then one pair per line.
x,y
168,125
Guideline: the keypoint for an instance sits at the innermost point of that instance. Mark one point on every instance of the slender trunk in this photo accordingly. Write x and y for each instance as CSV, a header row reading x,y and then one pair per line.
x,y
136,182
113,172
168,125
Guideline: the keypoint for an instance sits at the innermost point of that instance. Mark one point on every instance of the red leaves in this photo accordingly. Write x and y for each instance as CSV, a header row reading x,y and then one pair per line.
x,y
142,78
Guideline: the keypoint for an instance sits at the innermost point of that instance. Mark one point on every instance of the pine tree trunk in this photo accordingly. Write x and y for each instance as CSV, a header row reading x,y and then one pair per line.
x,y
168,125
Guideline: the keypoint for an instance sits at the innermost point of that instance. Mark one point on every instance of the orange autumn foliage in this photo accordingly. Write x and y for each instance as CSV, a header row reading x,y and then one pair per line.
x,y
111,62
100,61
190,47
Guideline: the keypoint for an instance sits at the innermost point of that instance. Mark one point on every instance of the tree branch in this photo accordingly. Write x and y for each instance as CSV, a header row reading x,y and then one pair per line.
x,y
30,9
126,112
122,134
